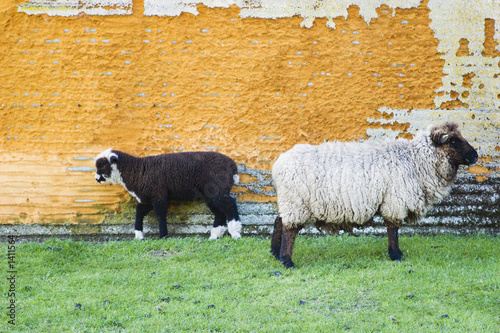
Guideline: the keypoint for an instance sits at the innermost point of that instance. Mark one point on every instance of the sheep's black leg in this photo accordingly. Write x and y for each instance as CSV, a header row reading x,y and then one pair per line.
x,y
220,218
287,242
161,209
219,227
394,252
276,237
226,204
140,211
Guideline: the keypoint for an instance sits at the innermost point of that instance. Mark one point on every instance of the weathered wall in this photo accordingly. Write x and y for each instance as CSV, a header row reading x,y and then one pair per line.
x,y
246,78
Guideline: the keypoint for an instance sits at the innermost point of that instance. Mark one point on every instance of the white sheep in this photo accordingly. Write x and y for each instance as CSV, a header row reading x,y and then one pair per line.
x,y
340,186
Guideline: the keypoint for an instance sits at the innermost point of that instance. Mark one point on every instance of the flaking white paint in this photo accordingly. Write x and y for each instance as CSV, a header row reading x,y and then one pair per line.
x,y
273,9
75,7
310,10
453,20
481,127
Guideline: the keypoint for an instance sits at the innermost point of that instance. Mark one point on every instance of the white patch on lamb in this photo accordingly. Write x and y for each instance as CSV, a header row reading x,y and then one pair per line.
x,y
116,177
139,235
217,232
133,195
108,153
234,228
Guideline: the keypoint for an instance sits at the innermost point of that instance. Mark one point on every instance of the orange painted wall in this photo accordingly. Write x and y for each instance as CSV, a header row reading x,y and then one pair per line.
x,y
250,88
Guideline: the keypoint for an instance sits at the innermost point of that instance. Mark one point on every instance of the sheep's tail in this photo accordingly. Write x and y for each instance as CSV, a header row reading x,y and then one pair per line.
x,y
236,178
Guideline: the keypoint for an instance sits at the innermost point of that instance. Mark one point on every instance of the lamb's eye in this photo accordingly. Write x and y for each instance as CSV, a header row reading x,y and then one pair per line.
x,y
453,141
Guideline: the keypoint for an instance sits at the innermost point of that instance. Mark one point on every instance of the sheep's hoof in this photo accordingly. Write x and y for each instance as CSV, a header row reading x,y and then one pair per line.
x,y
396,255
287,262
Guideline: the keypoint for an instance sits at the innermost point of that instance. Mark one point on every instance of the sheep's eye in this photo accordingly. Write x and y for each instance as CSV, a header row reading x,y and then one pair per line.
x,y
453,141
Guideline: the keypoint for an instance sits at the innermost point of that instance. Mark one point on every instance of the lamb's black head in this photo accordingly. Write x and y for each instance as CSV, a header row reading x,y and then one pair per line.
x,y
447,137
105,164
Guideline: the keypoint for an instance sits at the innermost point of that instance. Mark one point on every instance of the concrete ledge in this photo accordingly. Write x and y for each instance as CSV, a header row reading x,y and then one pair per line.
x,y
265,227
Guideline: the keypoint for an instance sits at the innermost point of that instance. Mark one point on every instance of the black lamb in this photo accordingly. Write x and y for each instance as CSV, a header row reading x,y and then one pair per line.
x,y
156,180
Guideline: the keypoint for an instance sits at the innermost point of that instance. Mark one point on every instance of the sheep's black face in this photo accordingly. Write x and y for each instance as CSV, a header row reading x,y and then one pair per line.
x,y
457,149
460,151
103,170
106,165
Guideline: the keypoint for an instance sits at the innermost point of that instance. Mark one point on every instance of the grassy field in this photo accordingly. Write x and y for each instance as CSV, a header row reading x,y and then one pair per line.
x,y
445,284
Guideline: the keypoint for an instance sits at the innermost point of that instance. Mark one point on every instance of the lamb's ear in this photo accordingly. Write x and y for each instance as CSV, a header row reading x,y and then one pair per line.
x,y
113,159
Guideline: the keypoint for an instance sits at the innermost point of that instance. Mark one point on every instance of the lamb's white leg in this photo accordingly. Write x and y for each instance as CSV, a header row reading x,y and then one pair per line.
x,y
139,235
217,232
234,228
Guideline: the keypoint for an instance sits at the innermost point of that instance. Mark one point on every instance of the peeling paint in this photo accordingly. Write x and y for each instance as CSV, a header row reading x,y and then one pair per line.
x,y
262,180
310,10
273,9
75,7
481,127
456,20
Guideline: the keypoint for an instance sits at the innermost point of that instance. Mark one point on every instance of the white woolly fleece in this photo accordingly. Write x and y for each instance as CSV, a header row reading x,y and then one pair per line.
x,y
350,182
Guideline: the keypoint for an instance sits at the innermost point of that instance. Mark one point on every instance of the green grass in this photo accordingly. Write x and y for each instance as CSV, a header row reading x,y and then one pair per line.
x,y
445,284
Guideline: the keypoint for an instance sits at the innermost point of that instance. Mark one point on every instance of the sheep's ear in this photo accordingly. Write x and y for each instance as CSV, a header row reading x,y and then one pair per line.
x,y
113,159
438,136
443,138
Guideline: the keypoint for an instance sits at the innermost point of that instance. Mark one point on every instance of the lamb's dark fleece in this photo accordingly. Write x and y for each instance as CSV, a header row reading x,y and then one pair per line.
x,y
156,180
